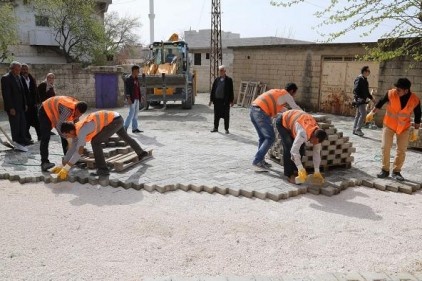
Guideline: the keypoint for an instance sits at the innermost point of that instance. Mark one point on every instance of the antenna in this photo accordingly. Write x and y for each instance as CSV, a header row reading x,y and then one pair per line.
x,y
216,54
151,21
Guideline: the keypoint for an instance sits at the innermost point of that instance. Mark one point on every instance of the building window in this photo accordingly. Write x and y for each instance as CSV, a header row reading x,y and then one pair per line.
x,y
197,59
207,56
41,21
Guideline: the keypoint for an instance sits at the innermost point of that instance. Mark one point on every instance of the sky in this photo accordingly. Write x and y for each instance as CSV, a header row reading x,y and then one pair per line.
x,y
250,18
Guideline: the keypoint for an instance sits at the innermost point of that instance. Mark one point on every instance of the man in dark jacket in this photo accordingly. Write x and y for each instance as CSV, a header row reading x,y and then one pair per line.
x,y
31,95
133,96
361,94
222,97
15,103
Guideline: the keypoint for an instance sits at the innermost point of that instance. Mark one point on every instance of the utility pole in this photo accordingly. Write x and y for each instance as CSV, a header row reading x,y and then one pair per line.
x,y
216,50
151,21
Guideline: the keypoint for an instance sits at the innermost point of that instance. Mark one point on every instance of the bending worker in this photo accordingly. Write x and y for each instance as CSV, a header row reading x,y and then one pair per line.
x,y
96,128
401,103
265,107
296,127
52,113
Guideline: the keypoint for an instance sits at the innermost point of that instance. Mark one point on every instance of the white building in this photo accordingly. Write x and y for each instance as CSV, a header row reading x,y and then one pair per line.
x,y
37,44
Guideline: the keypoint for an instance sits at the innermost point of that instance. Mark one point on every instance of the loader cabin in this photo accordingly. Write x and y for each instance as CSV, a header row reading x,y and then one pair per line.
x,y
174,52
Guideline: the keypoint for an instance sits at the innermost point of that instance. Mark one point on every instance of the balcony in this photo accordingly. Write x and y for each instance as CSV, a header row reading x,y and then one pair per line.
x,y
42,37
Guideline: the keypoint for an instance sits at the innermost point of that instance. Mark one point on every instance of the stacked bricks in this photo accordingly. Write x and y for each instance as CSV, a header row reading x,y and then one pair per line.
x,y
336,150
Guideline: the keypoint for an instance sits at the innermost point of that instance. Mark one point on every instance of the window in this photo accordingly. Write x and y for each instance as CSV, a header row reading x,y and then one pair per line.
x,y
197,59
207,56
41,21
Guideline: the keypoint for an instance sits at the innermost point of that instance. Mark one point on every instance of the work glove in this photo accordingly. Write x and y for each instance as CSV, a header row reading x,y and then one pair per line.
x,y
64,172
317,178
302,175
56,169
414,136
369,117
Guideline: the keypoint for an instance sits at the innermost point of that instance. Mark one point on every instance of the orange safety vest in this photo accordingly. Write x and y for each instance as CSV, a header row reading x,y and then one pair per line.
x,y
51,108
268,101
101,119
306,120
396,118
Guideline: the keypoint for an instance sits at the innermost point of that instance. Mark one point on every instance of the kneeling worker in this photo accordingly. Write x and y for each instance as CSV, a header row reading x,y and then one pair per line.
x,y
96,128
296,127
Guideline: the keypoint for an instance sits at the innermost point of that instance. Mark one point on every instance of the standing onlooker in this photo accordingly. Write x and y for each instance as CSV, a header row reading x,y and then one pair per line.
x,y
33,100
46,88
15,103
361,94
133,96
222,97
263,109
401,104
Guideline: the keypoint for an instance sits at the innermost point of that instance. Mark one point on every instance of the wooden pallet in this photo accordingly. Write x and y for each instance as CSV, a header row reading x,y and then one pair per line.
x,y
122,162
242,90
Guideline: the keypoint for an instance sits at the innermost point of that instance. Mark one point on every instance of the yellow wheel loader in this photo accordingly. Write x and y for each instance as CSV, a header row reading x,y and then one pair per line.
x,y
167,75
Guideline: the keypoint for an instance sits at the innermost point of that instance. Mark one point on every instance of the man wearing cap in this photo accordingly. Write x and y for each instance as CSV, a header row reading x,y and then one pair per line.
x,y
263,109
401,103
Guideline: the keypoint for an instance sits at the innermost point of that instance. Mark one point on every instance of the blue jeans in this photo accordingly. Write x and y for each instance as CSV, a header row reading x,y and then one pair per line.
x,y
133,115
264,127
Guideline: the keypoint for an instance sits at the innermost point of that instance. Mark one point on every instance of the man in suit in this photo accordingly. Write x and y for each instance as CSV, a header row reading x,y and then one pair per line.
x,y
222,97
31,95
15,103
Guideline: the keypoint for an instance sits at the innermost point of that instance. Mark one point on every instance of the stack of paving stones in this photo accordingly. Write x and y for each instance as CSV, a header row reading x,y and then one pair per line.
x,y
336,150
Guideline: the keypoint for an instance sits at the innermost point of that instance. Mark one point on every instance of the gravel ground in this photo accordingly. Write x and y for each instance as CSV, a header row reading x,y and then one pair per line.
x,y
72,231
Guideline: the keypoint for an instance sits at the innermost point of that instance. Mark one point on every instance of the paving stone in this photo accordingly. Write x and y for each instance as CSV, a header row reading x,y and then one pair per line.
x,y
371,276
350,276
402,276
314,190
380,184
328,191
405,189
323,277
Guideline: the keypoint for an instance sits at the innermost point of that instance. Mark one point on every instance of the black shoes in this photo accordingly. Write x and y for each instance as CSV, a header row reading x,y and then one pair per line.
x,y
143,155
227,132
397,176
214,130
46,166
103,172
383,174
136,131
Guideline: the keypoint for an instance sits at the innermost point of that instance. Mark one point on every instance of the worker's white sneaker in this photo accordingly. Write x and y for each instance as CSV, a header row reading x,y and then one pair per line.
x,y
260,167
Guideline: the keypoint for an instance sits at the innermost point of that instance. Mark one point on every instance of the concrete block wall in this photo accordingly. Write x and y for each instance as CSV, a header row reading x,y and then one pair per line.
x,y
277,65
73,80
389,73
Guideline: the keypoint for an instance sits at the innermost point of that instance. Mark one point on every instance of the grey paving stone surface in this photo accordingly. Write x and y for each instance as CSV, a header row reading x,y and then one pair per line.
x,y
188,157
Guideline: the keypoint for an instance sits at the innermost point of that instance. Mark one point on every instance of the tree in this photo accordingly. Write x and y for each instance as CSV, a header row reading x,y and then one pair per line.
x,y
405,38
119,32
77,28
8,30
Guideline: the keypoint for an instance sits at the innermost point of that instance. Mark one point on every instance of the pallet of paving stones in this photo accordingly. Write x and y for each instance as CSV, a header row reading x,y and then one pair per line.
x,y
336,150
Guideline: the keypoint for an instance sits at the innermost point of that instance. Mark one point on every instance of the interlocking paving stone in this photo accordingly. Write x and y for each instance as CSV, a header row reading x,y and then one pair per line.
x,y
189,158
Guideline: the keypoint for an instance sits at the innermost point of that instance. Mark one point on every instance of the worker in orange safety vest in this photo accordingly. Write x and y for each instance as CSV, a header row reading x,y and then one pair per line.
x,y
402,102
297,127
263,109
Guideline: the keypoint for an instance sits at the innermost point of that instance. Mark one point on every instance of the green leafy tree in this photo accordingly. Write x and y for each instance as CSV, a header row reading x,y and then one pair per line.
x,y
404,39
77,26
8,30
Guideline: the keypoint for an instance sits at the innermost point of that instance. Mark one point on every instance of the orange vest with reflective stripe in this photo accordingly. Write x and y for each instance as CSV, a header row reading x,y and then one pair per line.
x,y
101,119
268,101
398,119
51,108
306,120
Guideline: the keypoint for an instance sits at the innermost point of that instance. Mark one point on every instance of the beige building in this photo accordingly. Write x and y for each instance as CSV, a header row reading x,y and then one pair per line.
x,y
324,73
199,45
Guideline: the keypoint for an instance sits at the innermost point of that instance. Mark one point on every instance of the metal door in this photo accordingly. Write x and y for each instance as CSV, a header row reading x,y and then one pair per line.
x,y
106,90
336,88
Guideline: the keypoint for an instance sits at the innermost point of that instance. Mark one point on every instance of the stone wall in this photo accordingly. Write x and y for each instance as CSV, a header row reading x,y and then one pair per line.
x,y
73,80
277,65
389,73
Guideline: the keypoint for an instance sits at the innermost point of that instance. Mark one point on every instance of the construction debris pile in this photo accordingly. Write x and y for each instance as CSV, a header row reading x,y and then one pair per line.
x,y
336,150
248,91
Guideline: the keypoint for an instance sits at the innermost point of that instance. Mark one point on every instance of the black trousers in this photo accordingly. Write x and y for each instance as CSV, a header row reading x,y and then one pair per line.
x,y
221,110
287,143
45,130
32,121
18,126
116,126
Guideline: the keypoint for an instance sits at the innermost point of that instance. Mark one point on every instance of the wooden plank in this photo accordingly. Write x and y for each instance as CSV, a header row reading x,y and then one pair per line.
x,y
128,161
242,90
